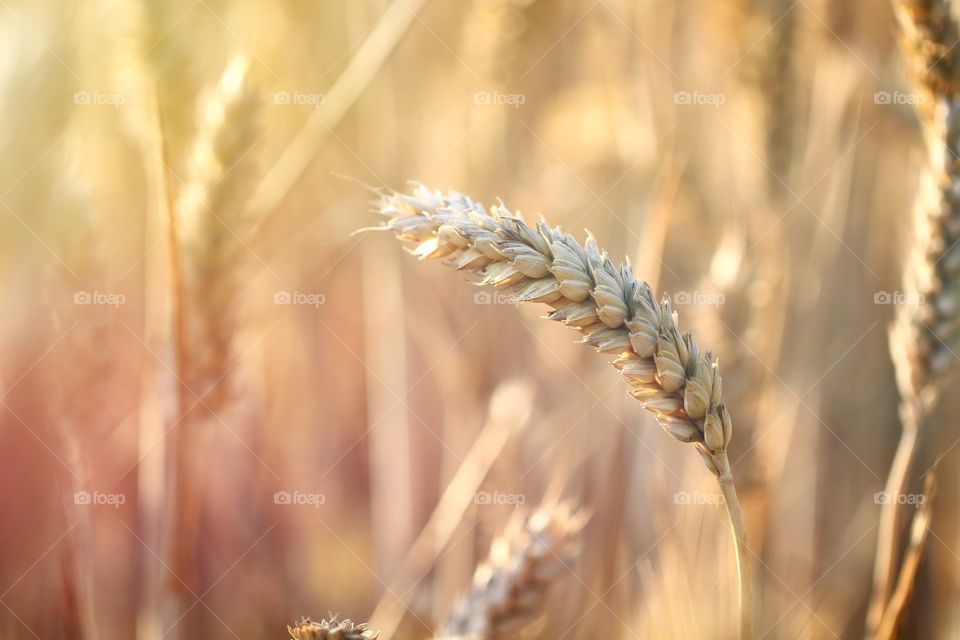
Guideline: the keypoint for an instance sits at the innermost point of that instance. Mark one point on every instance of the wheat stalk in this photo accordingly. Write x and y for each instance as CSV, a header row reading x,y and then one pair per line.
x,y
509,589
925,335
617,315
331,629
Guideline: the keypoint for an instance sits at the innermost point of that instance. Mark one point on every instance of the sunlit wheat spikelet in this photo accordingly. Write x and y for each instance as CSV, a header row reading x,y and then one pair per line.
x,y
331,629
927,330
510,588
617,314
925,335
210,215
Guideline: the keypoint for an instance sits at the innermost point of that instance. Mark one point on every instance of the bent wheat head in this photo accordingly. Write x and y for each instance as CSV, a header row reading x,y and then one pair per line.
x,y
617,314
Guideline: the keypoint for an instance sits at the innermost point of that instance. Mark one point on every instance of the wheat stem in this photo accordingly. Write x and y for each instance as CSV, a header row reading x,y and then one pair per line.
x,y
617,314
739,530
919,532
346,90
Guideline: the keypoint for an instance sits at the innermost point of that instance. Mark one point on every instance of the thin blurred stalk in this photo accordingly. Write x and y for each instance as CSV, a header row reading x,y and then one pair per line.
x,y
159,402
919,533
303,148
79,553
385,353
385,343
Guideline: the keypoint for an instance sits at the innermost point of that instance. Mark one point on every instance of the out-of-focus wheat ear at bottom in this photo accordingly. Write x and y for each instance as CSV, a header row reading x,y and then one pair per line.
x,y
510,589
616,313
331,629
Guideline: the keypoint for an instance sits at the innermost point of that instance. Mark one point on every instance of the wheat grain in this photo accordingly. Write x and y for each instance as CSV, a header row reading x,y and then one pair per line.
x,y
509,589
926,333
617,315
331,629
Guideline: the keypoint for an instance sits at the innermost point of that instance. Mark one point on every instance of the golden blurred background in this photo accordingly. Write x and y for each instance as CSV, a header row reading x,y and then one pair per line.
x,y
222,409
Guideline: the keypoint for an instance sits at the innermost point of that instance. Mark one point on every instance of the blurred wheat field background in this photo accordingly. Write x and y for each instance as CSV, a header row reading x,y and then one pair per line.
x,y
224,410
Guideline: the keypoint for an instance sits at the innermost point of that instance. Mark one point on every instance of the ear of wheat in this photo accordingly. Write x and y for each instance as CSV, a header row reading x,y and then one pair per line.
x,y
925,335
210,217
510,588
617,315
331,629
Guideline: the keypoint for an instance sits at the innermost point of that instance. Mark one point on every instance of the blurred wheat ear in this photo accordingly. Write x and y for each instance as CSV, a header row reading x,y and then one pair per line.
x,y
332,629
617,314
211,226
926,332
509,590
